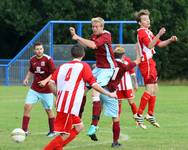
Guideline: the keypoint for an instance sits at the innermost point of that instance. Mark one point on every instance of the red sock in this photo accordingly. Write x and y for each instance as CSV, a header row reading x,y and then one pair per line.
x,y
25,123
151,105
82,106
73,134
116,131
55,144
133,108
51,124
96,112
143,102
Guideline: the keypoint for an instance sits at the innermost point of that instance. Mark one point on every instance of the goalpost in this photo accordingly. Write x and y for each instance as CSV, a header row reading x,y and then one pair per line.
x,y
14,72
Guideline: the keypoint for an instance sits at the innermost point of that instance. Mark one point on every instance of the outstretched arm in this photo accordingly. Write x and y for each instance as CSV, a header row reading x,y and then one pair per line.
x,y
162,43
168,41
82,41
98,88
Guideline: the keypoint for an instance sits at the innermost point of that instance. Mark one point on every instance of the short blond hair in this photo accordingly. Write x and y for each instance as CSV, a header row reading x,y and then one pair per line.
x,y
141,13
98,19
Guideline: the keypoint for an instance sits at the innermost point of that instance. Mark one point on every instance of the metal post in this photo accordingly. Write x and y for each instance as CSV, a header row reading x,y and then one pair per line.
x,y
7,75
51,39
79,29
121,33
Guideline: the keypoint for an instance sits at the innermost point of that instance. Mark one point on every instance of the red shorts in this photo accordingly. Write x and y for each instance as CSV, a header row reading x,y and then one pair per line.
x,y
125,94
64,122
148,71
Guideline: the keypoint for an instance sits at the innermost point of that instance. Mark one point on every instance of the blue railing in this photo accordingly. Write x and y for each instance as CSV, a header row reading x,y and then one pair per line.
x,y
50,26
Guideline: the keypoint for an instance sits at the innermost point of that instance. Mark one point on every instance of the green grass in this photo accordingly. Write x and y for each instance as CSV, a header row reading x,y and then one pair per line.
x,y
171,112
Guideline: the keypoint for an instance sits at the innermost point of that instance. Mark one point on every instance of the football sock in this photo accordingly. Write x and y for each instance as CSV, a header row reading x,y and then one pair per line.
x,y
25,123
116,131
55,144
151,105
96,112
82,106
73,134
143,102
133,108
51,124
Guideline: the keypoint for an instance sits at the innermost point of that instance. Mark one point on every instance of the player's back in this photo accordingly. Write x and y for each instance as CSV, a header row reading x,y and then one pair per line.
x,y
71,78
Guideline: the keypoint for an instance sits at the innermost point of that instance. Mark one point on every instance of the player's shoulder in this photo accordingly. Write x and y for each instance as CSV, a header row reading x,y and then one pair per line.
x,y
84,63
141,30
47,56
119,62
32,57
126,58
105,32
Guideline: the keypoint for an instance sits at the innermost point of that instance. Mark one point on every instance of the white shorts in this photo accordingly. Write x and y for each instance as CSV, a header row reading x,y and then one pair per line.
x,y
45,98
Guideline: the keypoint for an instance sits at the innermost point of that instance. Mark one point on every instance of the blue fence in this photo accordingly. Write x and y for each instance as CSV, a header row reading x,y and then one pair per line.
x,y
14,70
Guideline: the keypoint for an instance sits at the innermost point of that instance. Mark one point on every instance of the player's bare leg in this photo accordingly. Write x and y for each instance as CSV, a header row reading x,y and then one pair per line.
x,y
74,132
63,139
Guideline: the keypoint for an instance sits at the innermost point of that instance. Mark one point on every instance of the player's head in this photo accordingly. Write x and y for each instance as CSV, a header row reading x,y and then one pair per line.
x,y
77,51
119,52
142,17
38,49
97,25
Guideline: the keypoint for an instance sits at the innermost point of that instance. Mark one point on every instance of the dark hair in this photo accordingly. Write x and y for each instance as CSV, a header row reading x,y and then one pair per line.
x,y
77,51
118,55
141,13
37,44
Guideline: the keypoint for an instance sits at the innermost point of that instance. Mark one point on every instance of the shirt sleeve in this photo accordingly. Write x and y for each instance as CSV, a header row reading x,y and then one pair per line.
x,y
87,75
144,37
51,66
31,68
130,66
103,39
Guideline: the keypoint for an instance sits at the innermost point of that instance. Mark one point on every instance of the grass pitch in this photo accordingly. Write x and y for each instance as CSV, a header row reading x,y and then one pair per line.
x,y
171,112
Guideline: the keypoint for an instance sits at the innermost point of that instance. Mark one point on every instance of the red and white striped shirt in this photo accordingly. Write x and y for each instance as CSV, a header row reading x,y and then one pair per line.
x,y
145,36
70,79
126,82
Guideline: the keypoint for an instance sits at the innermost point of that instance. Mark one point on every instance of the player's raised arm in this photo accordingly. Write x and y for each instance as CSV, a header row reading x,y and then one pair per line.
x,y
156,38
168,41
82,41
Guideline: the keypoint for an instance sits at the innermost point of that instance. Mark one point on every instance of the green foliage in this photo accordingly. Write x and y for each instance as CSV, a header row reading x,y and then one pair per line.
x,y
20,20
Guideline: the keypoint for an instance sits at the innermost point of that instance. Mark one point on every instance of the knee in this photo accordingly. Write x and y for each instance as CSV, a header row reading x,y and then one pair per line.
x,y
49,113
27,109
95,98
79,127
130,101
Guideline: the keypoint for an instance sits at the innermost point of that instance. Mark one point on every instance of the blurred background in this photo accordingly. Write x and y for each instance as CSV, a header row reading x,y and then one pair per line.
x,y
21,20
